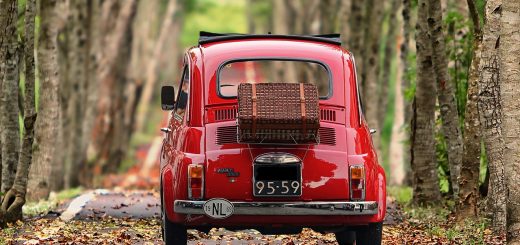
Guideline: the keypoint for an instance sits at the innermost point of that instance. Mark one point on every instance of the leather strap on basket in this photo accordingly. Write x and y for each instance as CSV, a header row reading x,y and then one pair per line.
x,y
253,98
302,108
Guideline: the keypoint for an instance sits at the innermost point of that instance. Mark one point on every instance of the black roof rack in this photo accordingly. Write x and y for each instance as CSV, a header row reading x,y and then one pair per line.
x,y
209,37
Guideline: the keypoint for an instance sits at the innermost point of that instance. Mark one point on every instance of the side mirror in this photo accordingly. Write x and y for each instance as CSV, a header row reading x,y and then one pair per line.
x,y
167,98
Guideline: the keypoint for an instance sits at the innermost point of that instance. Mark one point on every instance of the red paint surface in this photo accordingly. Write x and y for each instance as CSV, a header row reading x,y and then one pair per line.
x,y
325,167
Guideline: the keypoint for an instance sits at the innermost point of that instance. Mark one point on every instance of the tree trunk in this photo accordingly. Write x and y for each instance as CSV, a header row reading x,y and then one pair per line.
x,y
15,198
399,138
151,72
469,171
345,18
356,39
510,76
406,85
9,107
390,47
490,110
92,90
111,135
374,17
445,94
424,161
76,82
45,152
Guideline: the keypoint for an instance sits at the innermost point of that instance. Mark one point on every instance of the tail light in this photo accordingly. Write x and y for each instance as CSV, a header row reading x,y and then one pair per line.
x,y
195,181
357,182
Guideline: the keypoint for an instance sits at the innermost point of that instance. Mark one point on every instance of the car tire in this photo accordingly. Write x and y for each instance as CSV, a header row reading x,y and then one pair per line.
x,y
371,235
346,237
173,234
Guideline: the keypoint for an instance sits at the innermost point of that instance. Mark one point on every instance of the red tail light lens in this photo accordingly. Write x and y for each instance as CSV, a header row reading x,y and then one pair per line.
x,y
357,182
195,181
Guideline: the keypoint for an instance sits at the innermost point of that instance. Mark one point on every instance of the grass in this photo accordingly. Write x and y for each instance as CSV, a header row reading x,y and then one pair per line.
x,y
44,206
402,194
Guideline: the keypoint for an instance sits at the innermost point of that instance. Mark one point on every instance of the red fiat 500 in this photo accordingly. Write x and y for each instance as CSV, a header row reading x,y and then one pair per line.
x,y
210,179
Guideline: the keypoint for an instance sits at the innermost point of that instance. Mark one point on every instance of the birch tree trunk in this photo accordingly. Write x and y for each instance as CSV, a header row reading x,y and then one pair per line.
x,y
445,93
490,111
424,161
510,75
9,106
469,174
14,199
45,152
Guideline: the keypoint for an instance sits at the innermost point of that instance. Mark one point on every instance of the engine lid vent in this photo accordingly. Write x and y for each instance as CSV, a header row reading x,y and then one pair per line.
x,y
226,114
327,136
328,115
226,135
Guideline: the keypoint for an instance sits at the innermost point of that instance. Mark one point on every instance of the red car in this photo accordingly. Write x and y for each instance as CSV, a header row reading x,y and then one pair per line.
x,y
210,179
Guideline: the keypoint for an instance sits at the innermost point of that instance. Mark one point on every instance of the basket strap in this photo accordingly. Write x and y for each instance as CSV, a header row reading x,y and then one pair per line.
x,y
253,98
302,108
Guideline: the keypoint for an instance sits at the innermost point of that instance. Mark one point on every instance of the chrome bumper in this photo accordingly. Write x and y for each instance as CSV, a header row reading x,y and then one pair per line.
x,y
284,208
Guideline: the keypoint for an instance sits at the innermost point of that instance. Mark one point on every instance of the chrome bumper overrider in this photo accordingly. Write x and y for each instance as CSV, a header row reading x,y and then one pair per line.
x,y
284,208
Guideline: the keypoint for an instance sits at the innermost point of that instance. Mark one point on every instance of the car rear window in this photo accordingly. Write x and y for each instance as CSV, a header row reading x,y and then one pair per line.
x,y
233,73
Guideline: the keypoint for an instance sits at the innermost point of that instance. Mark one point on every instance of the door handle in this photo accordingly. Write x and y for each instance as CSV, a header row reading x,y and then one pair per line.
x,y
166,130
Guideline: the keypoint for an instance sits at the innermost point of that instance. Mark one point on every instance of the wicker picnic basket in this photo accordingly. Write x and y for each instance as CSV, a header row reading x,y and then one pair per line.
x,y
278,113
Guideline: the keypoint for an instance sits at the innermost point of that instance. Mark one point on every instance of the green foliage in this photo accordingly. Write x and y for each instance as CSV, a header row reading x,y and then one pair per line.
x,y
443,167
213,16
460,49
411,76
402,194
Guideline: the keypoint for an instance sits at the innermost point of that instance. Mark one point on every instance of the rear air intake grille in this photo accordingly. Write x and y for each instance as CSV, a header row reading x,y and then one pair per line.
x,y
327,136
328,115
226,135
225,114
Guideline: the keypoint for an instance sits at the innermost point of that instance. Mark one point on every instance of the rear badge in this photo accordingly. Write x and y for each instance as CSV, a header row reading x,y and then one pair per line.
x,y
218,208
230,172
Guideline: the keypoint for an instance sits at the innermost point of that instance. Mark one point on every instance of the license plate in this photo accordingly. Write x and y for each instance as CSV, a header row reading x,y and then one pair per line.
x,y
277,188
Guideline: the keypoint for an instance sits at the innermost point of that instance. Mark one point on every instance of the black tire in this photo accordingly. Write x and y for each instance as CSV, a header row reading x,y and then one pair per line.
x,y
173,234
370,235
346,237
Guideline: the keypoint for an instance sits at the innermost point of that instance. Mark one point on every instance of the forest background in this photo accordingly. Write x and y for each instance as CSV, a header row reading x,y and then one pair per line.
x,y
429,73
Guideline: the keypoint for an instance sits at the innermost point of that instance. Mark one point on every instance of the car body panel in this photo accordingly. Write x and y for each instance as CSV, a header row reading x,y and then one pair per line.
x,y
325,168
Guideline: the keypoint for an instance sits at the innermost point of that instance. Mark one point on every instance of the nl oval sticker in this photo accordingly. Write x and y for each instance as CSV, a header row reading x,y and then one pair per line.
x,y
218,208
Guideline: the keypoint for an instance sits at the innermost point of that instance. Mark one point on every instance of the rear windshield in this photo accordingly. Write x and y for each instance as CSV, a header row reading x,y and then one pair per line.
x,y
272,71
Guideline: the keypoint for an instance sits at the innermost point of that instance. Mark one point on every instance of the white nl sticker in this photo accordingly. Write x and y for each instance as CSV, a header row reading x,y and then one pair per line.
x,y
218,208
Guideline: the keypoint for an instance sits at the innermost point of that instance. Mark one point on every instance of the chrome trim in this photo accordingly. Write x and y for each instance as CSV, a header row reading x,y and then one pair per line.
x,y
285,208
